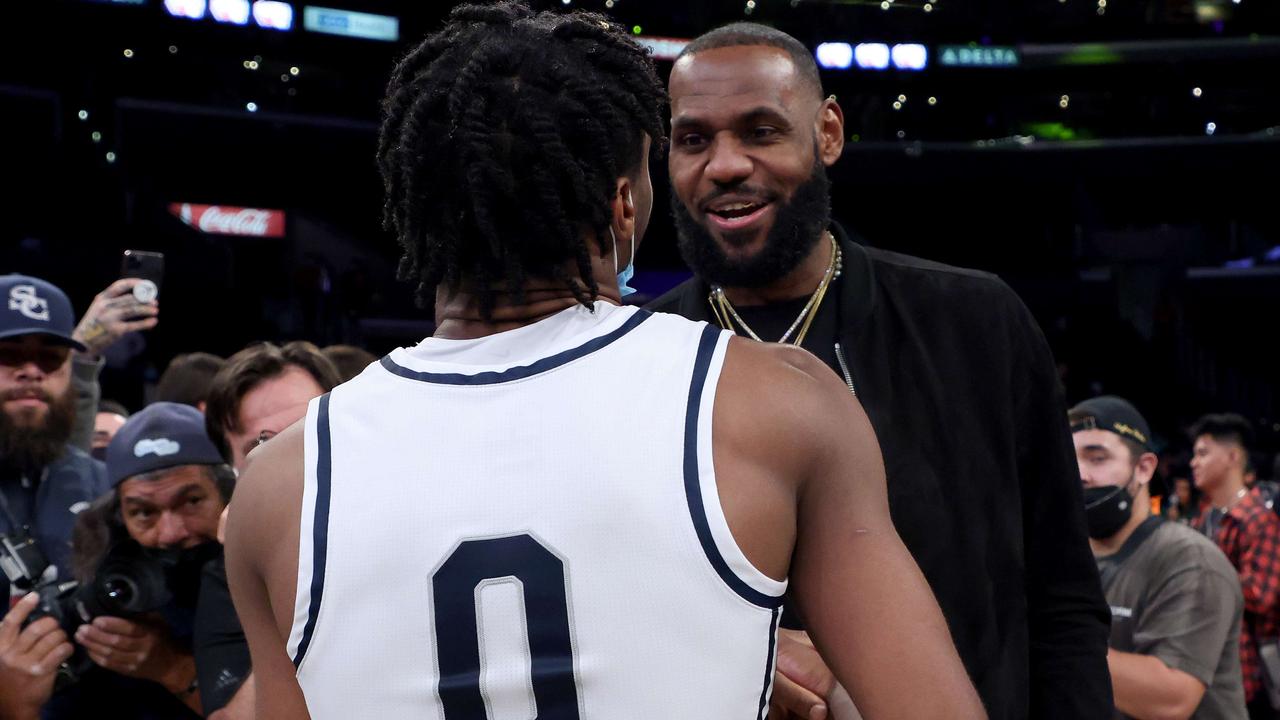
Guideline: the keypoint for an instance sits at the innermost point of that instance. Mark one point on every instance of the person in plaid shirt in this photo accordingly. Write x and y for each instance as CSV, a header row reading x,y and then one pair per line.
x,y
1243,524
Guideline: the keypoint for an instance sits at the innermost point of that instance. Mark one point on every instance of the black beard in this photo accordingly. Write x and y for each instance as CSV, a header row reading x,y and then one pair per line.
x,y
29,449
797,228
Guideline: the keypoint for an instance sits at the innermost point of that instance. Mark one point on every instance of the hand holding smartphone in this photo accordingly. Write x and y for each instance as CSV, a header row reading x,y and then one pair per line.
x,y
149,266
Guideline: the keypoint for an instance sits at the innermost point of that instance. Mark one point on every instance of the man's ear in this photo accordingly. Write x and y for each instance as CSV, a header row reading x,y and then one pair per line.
x,y
830,128
1146,467
623,206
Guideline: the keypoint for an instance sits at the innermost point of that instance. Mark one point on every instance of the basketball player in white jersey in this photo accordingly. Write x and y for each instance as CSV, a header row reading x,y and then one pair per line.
x,y
557,506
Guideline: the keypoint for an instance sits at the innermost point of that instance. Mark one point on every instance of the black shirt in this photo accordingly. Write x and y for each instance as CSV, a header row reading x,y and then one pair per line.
x,y
221,650
772,320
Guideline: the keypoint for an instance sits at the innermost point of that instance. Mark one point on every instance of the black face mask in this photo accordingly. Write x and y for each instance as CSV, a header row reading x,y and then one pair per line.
x,y
1107,509
184,568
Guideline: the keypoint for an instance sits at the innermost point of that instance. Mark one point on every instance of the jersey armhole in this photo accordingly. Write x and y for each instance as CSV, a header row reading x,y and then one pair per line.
x,y
701,491
312,530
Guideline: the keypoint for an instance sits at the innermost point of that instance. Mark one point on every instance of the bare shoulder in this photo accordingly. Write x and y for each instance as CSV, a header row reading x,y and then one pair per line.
x,y
799,390
778,370
261,523
262,566
272,476
785,406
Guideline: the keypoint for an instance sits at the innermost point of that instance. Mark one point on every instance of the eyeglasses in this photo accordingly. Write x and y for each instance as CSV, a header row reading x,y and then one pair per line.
x,y
48,358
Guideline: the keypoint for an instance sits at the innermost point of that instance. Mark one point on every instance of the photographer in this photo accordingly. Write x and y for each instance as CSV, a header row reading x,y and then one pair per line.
x,y
170,486
44,481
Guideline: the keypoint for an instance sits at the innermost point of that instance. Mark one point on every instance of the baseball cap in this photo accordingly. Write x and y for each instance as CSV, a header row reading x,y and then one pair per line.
x,y
162,435
31,306
1108,412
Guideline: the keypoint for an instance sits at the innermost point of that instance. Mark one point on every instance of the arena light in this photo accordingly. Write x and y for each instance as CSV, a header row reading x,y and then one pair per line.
x,y
910,56
663,48
835,55
872,56
193,9
235,12
272,14
366,26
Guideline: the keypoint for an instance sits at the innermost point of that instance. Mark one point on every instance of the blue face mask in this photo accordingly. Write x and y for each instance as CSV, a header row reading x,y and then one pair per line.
x,y
629,271
624,277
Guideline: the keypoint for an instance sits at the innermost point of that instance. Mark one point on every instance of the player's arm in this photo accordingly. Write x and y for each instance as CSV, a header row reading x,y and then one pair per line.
x,y
868,607
262,542
1147,688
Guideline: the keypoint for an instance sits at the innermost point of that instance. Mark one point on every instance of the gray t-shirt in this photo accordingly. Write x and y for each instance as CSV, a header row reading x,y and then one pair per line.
x,y
1175,596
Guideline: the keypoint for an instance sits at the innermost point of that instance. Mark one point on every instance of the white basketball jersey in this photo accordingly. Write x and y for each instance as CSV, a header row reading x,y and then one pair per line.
x,y
527,525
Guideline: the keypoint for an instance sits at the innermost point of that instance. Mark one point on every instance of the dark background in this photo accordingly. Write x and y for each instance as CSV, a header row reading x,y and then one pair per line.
x,y
1145,246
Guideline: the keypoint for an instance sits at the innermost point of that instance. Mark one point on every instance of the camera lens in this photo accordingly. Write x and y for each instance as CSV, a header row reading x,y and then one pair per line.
x,y
119,591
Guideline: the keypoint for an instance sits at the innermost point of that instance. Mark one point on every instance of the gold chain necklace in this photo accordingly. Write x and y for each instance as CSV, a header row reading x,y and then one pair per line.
x,y
727,315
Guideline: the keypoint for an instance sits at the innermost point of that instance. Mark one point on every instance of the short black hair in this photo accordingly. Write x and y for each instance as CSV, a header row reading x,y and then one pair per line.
x,y
502,139
188,377
248,369
1225,427
746,34
349,360
113,407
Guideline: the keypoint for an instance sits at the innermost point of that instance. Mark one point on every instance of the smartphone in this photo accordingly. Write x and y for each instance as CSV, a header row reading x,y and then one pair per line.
x,y
146,265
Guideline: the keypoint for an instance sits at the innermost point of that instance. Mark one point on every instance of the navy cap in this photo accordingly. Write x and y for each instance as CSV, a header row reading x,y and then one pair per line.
x,y
1108,412
31,306
162,435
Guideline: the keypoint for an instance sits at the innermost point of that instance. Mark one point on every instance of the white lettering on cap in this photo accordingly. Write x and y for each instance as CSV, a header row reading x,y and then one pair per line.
x,y
157,446
24,299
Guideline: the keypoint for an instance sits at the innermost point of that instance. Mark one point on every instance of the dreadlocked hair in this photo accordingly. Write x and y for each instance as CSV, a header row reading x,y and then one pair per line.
x,y
502,139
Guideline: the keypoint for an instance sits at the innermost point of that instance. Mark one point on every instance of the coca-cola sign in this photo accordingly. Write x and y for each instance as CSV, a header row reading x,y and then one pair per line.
x,y
228,220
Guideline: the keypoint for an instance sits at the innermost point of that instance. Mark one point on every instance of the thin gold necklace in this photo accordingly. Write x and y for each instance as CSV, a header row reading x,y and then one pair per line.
x,y
727,315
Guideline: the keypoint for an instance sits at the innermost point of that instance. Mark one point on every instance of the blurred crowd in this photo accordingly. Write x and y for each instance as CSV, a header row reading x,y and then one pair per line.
x,y
111,518
118,591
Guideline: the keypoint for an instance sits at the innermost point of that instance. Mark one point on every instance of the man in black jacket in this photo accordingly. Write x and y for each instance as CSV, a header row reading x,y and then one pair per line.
x,y
953,371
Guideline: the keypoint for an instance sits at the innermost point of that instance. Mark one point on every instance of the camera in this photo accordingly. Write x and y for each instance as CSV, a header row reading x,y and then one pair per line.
x,y
131,581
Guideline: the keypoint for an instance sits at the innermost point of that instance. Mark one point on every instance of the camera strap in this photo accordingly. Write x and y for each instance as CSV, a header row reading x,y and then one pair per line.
x,y
14,525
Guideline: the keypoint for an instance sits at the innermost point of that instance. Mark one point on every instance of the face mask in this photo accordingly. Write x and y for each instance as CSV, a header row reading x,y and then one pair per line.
x,y
629,271
1107,509
184,574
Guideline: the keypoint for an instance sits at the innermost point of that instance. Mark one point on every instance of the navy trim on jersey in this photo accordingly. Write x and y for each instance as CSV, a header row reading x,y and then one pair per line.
x,y
768,666
692,486
524,371
320,525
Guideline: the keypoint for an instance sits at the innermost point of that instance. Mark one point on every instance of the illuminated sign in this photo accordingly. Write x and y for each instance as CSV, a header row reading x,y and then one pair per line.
x,y
351,24
974,56
228,220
